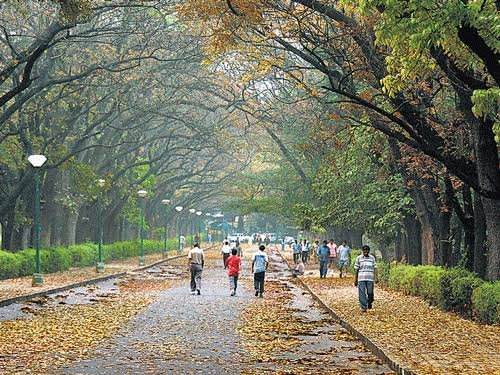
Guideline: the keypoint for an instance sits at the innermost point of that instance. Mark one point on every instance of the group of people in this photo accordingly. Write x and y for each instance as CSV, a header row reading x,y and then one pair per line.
x,y
365,267
231,258
329,255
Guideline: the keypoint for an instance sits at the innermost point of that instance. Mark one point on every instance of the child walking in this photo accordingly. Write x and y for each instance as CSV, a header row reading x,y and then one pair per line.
x,y
233,264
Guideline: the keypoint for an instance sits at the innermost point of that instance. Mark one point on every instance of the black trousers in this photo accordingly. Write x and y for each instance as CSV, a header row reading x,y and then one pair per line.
x,y
258,281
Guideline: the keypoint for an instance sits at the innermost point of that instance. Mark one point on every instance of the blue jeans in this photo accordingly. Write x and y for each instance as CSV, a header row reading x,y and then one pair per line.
x,y
365,291
323,268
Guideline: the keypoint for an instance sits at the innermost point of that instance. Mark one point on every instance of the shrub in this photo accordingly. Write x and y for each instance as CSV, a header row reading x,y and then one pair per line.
x,y
9,264
384,270
448,295
429,278
461,289
486,303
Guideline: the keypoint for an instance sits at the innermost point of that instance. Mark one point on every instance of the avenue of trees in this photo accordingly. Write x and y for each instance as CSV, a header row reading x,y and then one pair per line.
x,y
357,117
394,94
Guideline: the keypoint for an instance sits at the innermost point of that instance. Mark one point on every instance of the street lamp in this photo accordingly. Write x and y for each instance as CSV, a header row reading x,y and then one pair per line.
x,y
100,263
192,211
199,229
37,161
165,202
179,210
142,195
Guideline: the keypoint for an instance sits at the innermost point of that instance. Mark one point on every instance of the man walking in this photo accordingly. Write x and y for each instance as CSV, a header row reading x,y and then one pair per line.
x,y
305,247
297,250
196,261
344,253
323,254
260,261
234,268
366,275
226,252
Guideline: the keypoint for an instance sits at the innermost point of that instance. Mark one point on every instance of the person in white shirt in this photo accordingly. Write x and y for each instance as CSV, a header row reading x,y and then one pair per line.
x,y
196,261
226,252
366,275
260,261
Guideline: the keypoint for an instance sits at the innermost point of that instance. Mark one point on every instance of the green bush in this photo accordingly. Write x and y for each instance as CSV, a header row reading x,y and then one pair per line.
x,y
428,279
448,293
461,289
9,264
384,270
58,259
486,303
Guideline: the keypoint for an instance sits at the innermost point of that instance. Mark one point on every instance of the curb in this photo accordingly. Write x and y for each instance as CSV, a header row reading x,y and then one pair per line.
x,y
96,280
365,340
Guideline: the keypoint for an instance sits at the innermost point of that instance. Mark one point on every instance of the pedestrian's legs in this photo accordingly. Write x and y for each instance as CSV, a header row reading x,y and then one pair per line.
x,y
369,292
235,282
259,282
231,283
322,268
193,281
197,277
362,294
224,259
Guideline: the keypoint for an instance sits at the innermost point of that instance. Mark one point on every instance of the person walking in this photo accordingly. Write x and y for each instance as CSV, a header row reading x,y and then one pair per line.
x,y
239,252
226,252
182,242
196,261
314,250
332,258
366,275
344,255
296,249
260,262
233,271
323,254
304,248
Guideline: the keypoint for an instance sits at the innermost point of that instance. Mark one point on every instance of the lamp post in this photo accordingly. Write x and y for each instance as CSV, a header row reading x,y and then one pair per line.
x,y
100,263
165,202
192,211
198,213
142,196
209,230
37,161
179,210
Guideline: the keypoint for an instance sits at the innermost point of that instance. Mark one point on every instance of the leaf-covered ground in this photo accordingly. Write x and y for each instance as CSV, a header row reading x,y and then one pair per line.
x,y
11,288
412,332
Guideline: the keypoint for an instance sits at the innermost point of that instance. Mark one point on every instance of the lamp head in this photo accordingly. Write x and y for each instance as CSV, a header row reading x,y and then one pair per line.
x,y
142,193
37,160
192,210
198,213
165,201
179,208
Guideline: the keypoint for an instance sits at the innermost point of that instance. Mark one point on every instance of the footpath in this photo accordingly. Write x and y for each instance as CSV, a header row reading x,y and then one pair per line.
x,y
147,322
411,332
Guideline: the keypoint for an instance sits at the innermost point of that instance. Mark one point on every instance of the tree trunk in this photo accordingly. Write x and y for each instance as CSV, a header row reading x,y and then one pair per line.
x,y
457,235
69,231
480,257
413,231
356,238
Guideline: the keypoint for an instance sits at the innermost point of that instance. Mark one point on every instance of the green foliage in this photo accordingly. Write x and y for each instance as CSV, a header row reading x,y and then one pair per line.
x,y
454,289
486,303
59,259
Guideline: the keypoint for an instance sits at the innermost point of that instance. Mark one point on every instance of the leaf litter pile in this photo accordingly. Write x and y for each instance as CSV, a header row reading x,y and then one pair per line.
x,y
58,334
11,288
413,333
282,338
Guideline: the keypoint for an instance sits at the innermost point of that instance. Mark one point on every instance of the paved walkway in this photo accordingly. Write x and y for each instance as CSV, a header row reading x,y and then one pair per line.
x,y
177,333
149,323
